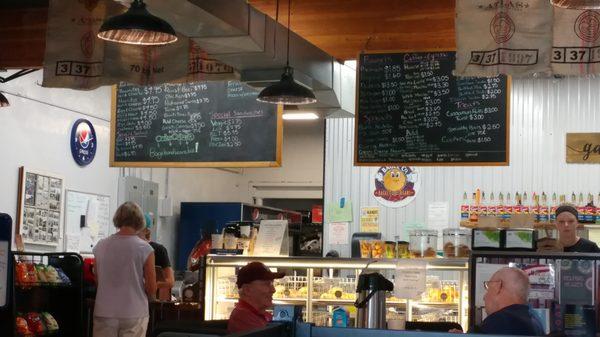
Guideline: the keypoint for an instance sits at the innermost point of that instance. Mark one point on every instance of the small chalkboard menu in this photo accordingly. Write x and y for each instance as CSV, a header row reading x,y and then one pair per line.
x,y
202,124
411,110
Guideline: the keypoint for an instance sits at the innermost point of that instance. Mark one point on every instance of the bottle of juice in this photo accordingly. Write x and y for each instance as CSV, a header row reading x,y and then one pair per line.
x,y
518,207
535,208
553,207
525,207
508,207
581,208
483,205
500,210
543,210
590,209
492,206
474,207
464,208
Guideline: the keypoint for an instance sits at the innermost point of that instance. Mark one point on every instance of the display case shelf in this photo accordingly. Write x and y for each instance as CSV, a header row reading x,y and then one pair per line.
x,y
436,304
221,291
299,262
275,300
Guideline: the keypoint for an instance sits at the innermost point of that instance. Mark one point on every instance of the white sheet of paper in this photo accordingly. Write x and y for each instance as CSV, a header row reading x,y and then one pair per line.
x,y
410,279
437,215
73,243
270,237
484,272
338,233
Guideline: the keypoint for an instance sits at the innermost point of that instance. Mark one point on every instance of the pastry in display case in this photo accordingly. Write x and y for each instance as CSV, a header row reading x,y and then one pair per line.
x,y
444,298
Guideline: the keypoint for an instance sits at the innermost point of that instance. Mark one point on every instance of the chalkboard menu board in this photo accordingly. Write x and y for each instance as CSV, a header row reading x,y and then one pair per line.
x,y
202,124
411,110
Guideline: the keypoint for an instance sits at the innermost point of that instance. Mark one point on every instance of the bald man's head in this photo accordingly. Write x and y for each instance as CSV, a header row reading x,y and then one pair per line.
x,y
506,287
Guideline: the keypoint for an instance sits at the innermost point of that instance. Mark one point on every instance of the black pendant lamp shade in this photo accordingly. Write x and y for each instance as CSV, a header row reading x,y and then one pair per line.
x,y
287,91
137,26
576,4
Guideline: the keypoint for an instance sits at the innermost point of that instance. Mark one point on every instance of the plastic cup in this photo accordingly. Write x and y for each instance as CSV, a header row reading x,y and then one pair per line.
x,y
396,324
365,249
216,241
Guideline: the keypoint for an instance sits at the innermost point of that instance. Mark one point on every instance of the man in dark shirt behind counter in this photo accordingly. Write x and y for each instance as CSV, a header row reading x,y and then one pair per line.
x,y
567,223
255,286
506,305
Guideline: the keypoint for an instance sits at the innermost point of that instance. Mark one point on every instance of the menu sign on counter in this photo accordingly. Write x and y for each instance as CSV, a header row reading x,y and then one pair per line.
x,y
201,124
411,110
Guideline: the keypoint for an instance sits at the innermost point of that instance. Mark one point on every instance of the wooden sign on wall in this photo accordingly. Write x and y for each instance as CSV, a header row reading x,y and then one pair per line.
x,y
583,148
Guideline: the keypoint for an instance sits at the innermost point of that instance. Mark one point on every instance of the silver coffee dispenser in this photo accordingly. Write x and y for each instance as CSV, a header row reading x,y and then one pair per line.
x,y
371,300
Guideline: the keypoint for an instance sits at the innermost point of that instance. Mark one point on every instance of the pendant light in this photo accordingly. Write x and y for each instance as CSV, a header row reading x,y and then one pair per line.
x,y
576,4
137,26
3,101
287,91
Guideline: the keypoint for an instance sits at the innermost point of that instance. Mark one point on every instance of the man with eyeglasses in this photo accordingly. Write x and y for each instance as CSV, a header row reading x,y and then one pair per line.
x,y
506,305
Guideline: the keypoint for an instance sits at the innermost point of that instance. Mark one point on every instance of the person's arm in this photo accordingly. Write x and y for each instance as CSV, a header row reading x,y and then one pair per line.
x,y
161,257
150,277
169,276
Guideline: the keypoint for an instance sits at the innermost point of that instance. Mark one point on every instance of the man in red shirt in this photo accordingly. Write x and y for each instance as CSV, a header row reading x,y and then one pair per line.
x,y
255,286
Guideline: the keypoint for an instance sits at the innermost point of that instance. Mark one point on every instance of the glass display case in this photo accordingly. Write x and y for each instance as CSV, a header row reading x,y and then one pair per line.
x,y
564,288
322,284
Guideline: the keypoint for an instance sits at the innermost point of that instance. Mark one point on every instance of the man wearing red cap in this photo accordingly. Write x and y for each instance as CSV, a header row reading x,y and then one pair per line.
x,y
255,286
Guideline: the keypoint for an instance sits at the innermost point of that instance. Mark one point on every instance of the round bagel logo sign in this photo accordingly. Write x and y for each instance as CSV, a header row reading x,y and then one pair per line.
x,y
396,186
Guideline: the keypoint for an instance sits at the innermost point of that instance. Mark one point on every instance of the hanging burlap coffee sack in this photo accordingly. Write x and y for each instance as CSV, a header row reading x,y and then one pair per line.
x,y
576,42
74,55
503,37
76,58
201,67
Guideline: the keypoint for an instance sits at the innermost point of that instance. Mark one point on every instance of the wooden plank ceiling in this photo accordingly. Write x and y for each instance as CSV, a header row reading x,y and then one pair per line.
x,y
342,28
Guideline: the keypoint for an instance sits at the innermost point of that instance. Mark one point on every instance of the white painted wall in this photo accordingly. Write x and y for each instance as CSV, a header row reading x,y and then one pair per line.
x,y
35,131
542,112
301,171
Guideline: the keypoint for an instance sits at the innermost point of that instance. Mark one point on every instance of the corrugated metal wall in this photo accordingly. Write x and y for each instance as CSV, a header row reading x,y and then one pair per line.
x,y
542,112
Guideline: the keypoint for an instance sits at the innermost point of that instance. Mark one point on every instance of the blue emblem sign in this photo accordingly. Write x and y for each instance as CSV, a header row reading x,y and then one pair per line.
x,y
83,142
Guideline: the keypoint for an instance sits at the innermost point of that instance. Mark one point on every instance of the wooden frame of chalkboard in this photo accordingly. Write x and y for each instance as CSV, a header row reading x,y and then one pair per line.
x,y
191,164
505,103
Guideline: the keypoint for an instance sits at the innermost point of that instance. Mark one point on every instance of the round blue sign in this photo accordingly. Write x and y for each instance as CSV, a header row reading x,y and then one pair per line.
x,y
83,142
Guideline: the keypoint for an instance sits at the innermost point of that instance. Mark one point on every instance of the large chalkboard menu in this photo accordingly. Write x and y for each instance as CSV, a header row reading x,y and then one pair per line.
x,y
202,124
411,110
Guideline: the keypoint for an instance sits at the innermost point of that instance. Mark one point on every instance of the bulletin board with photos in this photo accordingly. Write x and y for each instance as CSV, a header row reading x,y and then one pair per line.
x,y
40,207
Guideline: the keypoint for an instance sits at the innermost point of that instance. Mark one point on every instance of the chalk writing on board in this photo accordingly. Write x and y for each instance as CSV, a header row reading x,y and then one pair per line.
x,y
412,110
203,122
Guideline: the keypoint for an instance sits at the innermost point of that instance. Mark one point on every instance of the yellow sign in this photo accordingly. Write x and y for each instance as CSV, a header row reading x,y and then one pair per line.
x,y
583,148
369,219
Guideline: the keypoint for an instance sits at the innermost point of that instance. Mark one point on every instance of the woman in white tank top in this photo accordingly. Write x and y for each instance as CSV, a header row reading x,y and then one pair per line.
x,y
126,277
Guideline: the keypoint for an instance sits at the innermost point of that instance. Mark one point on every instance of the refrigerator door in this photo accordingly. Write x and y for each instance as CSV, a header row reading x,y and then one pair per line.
x,y
198,218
